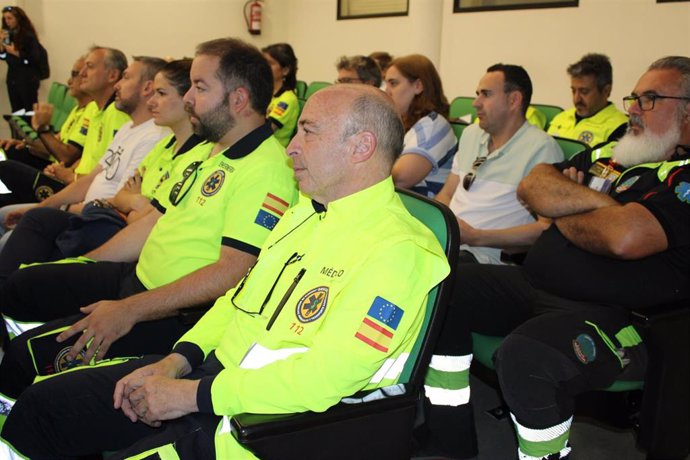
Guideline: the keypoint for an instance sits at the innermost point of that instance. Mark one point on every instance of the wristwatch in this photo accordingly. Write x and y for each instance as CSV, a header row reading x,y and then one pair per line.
x,y
44,129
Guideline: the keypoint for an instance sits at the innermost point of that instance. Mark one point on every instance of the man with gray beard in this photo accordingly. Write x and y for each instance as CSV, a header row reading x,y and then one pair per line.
x,y
620,239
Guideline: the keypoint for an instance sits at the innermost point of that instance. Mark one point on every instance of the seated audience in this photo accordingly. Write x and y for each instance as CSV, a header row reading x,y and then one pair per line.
x,y
48,148
620,226
130,290
493,156
358,69
594,119
283,110
129,146
173,153
246,354
429,145
48,234
102,70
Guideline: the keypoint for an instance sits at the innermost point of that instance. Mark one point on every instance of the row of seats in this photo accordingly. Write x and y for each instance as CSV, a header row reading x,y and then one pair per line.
x,y
62,102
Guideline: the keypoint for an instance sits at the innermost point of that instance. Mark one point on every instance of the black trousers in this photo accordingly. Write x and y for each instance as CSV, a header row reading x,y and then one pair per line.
x,y
72,414
23,92
33,240
28,184
23,156
538,364
47,292
31,292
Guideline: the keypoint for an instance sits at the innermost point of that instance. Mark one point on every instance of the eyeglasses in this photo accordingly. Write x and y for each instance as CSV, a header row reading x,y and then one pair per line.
x,y
348,80
291,260
646,101
175,195
75,73
469,178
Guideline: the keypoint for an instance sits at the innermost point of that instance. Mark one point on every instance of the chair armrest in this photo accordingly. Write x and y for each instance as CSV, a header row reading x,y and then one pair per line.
x,y
344,431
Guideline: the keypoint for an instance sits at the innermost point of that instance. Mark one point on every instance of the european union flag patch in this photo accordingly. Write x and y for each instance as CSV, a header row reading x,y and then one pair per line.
x,y
385,312
266,219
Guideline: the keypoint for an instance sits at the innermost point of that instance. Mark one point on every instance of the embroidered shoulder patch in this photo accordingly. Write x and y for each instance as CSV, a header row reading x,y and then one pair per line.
x,y
683,192
374,330
626,184
585,349
272,209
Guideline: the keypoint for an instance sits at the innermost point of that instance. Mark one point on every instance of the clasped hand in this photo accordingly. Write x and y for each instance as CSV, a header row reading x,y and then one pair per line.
x,y
152,393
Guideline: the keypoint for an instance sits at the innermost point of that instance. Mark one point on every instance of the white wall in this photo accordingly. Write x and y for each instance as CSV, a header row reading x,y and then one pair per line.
x,y
632,32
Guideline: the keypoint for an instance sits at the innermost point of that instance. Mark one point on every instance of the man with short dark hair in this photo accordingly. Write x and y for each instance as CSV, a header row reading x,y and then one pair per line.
x,y
620,239
493,156
333,306
358,69
594,120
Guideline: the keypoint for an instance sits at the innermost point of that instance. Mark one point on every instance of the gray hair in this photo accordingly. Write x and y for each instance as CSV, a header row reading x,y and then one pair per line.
x,y
679,63
596,65
114,59
374,111
367,69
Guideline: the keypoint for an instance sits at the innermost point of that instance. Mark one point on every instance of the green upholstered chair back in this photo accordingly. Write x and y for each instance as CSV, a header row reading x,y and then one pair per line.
x,y
571,147
441,221
314,87
549,110
461,106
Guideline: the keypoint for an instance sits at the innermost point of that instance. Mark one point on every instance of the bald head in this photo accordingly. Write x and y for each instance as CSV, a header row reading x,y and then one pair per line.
x,y
348,139
367,108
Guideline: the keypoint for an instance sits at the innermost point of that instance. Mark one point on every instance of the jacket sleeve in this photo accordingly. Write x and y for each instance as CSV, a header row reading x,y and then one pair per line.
x,y
204,337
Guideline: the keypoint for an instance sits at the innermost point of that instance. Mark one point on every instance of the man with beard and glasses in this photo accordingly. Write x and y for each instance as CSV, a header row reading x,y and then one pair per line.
x,y
620,239
221,211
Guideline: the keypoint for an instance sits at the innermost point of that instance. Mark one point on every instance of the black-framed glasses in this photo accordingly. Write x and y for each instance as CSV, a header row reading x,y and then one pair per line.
x,y
291,260
74,73
181,188
469,178
646,101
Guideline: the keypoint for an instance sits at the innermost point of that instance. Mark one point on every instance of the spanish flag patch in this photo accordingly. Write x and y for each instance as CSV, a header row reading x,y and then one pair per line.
x,y
375,328
271,211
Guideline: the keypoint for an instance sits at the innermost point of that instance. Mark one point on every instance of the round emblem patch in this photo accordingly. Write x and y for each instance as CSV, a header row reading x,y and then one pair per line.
x,y
312,305
585,349
586,137
43,191
213,183
62,363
